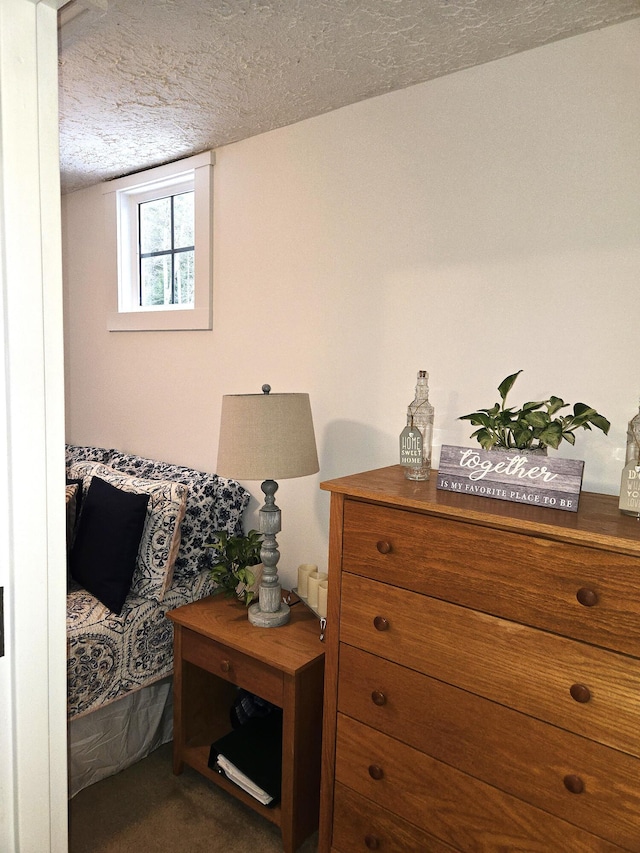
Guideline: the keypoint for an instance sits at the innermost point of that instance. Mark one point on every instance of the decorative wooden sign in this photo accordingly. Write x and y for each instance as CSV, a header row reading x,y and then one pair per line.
x,y
511,475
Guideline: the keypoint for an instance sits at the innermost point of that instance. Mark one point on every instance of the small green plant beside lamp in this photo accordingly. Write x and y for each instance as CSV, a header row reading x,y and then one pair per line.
x,y
232,559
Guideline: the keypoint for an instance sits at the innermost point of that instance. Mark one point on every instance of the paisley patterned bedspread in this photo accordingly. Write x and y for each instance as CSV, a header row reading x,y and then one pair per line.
x,y
110,655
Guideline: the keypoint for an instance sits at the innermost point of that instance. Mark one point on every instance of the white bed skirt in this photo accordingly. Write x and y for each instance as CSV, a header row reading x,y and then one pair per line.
x,y
112,738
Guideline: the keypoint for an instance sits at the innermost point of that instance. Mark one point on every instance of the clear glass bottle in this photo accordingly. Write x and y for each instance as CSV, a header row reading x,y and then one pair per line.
x,y
630,483
420,415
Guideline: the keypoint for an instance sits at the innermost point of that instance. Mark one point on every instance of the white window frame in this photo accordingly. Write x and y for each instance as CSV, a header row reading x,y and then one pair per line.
x,y
122,197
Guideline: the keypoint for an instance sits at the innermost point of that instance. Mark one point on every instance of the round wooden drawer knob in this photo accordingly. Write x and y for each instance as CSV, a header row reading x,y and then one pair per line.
x,y
381,624
379,698
580,692
587,597
225,666
383,546
372,842
376,772
573,784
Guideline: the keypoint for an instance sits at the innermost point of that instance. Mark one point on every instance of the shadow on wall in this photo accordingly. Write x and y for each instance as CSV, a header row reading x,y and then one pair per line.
x,y
348,447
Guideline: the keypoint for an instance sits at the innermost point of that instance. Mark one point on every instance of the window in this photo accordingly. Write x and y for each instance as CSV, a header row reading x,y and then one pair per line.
x,y
166,251
159,241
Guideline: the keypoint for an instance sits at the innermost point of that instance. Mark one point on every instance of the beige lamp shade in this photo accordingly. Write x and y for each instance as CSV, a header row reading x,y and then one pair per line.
x,y
266,437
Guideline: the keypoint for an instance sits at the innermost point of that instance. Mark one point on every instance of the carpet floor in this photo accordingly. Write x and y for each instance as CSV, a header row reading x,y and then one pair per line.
x,y
146,809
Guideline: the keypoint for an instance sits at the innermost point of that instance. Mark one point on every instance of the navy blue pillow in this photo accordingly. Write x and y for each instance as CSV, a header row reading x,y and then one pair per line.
x,y
103,557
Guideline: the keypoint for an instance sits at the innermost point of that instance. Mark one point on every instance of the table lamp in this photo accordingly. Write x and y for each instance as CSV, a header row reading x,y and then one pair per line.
x,y
267,437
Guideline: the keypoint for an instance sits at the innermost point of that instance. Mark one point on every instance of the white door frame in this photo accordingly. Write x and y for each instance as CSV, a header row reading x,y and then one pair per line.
x,y
33,770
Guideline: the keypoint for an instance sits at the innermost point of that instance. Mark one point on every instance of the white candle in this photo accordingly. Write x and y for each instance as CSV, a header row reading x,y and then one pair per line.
x,y
313,583
303,575
323,586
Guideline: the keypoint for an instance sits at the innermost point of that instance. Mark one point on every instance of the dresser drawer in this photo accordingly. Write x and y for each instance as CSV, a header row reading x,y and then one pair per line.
x,y
524,578
514,752
452,806
524,668
358,827
233,666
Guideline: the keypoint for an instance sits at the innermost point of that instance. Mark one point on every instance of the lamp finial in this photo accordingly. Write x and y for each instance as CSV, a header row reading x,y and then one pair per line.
x,y
266,389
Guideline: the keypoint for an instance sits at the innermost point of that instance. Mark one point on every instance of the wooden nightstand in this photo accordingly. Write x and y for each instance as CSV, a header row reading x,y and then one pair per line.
x,y
216,650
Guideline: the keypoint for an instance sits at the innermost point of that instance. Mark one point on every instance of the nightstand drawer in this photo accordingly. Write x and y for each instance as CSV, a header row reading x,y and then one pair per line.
x,y
357,828
523,756
450,805
233,666
590,691
525,578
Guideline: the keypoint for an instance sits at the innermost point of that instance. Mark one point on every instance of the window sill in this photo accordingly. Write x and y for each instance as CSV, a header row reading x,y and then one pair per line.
x,y
160,321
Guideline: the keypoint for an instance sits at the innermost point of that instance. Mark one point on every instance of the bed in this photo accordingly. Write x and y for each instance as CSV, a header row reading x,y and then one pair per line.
x,y
120,657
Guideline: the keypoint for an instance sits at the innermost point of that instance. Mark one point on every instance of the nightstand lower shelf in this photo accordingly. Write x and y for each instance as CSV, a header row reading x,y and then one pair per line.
x,y
197,757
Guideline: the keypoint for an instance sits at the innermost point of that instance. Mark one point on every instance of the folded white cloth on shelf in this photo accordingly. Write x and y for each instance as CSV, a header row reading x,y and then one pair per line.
x,y
232,773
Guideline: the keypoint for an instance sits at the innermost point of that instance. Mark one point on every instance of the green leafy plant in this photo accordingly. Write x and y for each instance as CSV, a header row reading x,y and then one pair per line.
x,y
535,425
232,557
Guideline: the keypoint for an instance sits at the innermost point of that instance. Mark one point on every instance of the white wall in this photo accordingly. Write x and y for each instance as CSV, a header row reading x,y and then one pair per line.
x,y
471,226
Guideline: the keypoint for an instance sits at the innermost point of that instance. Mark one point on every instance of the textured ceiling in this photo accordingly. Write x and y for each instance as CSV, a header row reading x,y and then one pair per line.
x,y
143,82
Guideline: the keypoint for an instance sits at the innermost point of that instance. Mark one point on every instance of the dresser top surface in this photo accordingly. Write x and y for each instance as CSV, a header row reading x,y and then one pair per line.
x,y
597,523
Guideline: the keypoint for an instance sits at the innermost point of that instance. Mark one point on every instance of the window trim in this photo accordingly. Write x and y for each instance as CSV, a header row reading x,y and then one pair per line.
x,y
121,195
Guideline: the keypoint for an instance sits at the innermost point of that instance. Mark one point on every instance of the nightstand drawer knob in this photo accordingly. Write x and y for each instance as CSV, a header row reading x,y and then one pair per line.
x,y
384,547
379,698
587,597
580,692
376,772
225,665
573,784
371,842
381,624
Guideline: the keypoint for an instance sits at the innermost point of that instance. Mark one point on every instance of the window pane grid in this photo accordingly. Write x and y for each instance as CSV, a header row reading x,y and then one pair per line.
x,y
166,268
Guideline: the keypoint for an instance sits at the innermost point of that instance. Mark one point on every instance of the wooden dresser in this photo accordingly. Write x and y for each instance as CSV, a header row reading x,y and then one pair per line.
x,y
482,686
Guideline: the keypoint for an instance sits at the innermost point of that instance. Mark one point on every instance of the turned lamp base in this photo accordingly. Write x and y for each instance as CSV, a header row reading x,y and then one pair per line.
x,y
270,611
269,619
